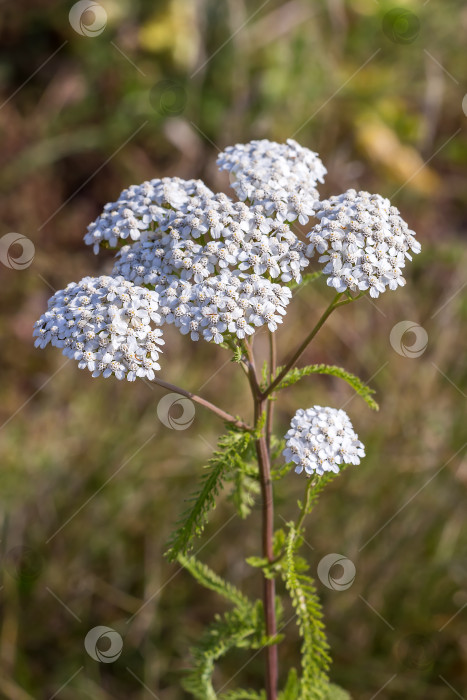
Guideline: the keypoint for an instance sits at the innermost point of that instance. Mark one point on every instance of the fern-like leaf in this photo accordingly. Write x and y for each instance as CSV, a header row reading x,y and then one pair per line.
x,y
335,692
355,382
242,695
315,656
241,628
292,687
231,447
209,579
245,489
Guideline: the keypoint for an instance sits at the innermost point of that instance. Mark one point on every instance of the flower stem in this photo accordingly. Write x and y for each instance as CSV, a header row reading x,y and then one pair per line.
x,y
207,404
272,371
335,303
269,585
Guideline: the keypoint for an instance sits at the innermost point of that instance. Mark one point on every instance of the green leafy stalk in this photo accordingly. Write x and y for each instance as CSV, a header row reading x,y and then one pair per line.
x,y
231,448
315,649
209,579
242,695
355,382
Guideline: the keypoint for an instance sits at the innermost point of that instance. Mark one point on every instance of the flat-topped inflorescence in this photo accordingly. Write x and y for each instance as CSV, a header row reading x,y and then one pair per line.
x,y
281,177
364,242
142,208
107,324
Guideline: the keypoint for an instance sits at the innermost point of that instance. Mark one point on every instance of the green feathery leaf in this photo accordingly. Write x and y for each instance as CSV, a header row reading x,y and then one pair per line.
x,y
231,448
292,687
209,579
355,382
242,695
238,354
315,656
245,482
242,628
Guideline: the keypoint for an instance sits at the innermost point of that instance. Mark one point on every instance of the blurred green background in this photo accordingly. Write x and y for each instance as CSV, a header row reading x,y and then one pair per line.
x,y
91,481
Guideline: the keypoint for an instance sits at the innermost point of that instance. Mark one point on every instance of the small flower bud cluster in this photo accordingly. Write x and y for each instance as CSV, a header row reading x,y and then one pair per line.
x,y
142,208
364,242
107,324
321,439
281,177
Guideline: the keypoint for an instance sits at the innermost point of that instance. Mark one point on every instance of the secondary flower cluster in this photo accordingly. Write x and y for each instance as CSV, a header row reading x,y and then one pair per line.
x,y
140,208
279,177
364,242
107,324
321,439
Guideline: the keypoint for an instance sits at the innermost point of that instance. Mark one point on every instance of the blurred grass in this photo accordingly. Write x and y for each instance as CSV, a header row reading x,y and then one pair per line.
x,y
91,482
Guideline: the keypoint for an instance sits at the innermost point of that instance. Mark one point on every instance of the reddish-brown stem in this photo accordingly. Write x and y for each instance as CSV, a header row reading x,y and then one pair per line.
x,y
203,402
270,405
269,585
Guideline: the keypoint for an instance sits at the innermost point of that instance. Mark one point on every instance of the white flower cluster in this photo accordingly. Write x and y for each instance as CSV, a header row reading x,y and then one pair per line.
x,y
142,208
214,265
320,439
211,235
281,177
223,304
107,324
364,242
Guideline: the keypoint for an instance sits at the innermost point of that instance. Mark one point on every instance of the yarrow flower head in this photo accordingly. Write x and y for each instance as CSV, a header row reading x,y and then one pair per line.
x,y
281,177
140,208
321,439
214,265
107,324
364,242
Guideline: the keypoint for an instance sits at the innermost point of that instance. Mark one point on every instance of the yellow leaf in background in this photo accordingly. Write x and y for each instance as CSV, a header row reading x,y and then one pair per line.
x,y
174,30
405,164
